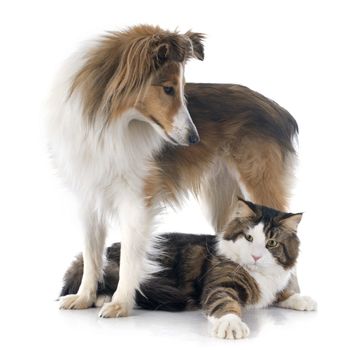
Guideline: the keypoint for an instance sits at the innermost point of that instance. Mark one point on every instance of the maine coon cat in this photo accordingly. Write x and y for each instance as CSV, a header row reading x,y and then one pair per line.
x,y
248,265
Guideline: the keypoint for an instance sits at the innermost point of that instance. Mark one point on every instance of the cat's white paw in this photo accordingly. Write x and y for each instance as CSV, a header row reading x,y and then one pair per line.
x,y
299,302
102,299
75,301
229,327
113,309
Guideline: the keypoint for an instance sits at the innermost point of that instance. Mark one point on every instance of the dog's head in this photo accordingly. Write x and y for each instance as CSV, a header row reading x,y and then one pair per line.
x,y
142,68
163,101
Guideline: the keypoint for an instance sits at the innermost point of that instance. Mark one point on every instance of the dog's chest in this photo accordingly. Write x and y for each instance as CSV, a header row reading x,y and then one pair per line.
x,y
104,170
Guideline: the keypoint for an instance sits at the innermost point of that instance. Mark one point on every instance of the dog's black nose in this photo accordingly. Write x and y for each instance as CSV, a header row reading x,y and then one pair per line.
x,y
193,139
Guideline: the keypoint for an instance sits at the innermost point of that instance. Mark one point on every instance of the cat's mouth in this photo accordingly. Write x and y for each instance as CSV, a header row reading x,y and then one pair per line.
x,y
253,266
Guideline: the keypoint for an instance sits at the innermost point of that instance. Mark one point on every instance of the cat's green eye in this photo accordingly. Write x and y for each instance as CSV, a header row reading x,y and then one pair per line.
x,y
249,238
271,243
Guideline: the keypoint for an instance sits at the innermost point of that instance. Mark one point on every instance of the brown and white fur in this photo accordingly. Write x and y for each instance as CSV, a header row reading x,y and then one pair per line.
x,y
125,141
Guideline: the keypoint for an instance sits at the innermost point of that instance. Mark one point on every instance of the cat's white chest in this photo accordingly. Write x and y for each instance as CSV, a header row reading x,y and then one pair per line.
x,y
270,282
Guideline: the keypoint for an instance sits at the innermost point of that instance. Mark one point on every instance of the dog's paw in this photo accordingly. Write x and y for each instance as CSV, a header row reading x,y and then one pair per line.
x,y
75,301
113,309
229,327
299,302
102,299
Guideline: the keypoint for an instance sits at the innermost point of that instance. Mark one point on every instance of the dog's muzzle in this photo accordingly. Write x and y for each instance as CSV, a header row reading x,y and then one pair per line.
x,y
184,131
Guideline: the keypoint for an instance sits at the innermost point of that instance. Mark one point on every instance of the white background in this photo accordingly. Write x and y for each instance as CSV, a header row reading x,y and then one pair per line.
x,y
294,52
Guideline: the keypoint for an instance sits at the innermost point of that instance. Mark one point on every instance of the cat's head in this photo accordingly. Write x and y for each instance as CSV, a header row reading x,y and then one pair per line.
x,y
260,237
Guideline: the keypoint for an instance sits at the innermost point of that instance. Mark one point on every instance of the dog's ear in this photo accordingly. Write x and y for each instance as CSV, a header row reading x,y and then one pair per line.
x,y
179,48
173,48
197,44
161,54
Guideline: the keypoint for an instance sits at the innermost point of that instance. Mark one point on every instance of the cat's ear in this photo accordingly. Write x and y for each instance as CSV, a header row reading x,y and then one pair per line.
x,y
244,209
292,221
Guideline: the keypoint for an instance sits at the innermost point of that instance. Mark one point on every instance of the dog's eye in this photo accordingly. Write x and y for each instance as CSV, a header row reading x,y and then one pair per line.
x,y
169,90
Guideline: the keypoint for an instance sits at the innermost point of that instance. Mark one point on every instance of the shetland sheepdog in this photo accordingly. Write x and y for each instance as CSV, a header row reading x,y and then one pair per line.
x,y
128,135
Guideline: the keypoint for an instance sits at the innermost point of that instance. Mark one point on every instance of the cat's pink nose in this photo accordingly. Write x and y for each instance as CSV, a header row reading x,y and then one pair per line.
x,y
256,258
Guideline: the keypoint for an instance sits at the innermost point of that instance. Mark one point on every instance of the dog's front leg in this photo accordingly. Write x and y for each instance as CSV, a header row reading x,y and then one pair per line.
x,y
94,240
135,224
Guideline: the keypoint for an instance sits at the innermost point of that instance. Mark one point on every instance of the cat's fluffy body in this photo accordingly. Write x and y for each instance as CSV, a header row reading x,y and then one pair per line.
x,y
248,265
